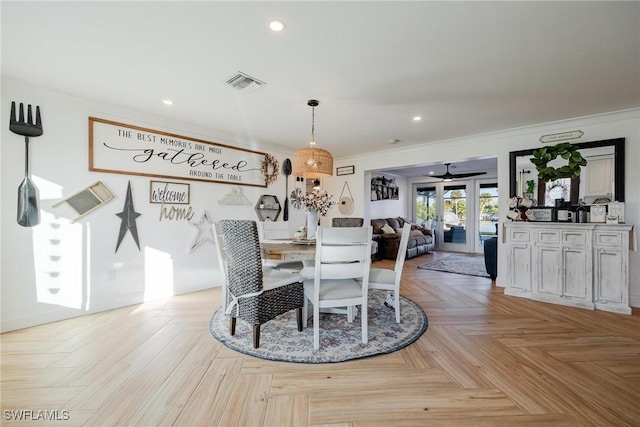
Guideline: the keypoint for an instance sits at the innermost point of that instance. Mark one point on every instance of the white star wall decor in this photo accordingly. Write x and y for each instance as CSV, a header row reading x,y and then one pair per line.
x,y
204,232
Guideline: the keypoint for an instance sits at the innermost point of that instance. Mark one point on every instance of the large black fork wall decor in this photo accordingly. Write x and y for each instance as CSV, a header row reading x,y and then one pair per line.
x,y
28,209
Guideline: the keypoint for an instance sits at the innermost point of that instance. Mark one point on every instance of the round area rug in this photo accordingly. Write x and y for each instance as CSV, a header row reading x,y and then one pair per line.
x,y
339,339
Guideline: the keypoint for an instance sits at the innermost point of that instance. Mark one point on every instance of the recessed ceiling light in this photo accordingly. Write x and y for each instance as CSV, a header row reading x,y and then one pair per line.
x,y
393,141
431,173
276,25
417,118
167,102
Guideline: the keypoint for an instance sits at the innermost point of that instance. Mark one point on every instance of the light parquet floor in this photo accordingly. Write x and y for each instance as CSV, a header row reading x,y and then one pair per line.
x,y
486,360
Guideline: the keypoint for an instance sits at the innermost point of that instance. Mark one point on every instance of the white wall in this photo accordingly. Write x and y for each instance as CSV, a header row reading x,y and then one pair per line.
x,y
91,276
624,124
392,208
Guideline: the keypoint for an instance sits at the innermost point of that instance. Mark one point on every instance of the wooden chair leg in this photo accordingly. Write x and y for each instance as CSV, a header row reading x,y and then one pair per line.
x,y
299,318
232,326
256,336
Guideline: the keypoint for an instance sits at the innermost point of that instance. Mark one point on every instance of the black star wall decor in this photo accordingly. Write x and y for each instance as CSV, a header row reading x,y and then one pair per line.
x,y
128,219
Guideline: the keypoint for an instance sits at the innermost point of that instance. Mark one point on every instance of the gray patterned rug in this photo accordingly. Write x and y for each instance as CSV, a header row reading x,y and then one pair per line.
x,y
339,340
471,265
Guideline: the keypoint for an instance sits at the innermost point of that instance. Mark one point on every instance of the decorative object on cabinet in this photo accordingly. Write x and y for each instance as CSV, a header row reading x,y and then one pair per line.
x,y
28,206
383,188
346,204
235,197
345,170
598,213
567,151
542,213
579,265
617,209
128,218
204,232
87,200
268,208
269,168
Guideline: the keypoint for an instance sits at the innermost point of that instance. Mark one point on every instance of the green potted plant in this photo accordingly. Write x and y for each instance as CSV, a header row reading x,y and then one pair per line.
x,y
531,187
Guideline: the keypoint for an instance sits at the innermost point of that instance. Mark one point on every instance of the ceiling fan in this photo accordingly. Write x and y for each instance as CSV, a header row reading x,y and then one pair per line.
x,y
447,176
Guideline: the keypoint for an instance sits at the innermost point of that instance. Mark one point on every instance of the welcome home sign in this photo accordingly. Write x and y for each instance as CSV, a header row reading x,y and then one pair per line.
x,y
125,149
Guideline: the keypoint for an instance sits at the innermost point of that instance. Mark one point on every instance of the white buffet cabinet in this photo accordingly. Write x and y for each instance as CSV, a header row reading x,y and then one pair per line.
x,y
580,265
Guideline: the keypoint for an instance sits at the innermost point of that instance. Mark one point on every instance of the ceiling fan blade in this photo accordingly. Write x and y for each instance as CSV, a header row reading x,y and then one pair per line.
x,y
457,175
466,175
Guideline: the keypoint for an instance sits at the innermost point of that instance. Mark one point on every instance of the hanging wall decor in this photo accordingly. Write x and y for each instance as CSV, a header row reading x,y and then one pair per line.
x,y
204,232
87,200
28,206
235,197
345,203
128,218
269,167
132,150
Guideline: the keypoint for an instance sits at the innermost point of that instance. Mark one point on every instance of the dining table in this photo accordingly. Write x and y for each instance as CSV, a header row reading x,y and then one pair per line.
x,y
288,249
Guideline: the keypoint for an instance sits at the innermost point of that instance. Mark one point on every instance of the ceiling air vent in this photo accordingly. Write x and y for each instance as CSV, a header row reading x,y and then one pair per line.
x,y
244,82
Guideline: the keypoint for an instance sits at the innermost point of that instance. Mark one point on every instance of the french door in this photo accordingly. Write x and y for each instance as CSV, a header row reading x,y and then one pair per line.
x,y
442,207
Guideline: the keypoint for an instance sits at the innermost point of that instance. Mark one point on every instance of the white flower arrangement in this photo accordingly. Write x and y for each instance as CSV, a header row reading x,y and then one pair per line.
x,y
317,200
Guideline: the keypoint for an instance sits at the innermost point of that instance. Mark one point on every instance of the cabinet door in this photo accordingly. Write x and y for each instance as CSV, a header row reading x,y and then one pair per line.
x,y
611,277
576,273
520,269
548,263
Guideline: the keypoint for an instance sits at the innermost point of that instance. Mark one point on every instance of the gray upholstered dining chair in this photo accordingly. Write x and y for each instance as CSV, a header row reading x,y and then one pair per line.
x,y
347,222
342,256
254,296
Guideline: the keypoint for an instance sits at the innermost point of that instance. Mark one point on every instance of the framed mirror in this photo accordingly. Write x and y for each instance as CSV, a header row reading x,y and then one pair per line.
x,y
602,178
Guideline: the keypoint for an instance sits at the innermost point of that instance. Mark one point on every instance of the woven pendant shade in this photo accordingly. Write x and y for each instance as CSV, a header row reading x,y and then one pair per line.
x,y
312,162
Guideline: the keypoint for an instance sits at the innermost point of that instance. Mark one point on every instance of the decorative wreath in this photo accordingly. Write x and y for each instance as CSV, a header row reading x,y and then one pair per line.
x,y
543,156
269,167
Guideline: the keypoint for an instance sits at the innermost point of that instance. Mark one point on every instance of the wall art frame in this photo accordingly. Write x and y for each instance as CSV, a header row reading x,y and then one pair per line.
x,y
345,170
133,150
169,193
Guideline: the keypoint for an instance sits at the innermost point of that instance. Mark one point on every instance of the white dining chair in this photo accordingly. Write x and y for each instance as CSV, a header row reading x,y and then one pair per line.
x,y
342,256
389,280
277,232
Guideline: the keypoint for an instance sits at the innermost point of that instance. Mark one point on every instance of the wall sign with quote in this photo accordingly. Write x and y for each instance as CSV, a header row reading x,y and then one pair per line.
x,y
132,150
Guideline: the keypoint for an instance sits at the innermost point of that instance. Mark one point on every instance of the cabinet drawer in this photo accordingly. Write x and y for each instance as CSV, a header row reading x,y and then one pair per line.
x,y
608,238
519,235
548,236
574,237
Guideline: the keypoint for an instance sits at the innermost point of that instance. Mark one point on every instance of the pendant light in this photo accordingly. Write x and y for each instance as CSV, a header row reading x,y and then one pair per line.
x,y
312,162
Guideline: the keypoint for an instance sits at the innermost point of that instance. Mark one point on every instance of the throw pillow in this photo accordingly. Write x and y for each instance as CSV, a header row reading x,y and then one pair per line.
x,y
416,233
387,229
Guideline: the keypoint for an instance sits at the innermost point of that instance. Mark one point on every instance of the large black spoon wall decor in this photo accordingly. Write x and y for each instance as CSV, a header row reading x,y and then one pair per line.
x,y
286,168
28,207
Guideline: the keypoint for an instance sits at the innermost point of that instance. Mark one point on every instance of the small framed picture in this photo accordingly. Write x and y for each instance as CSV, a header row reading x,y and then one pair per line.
x,y
598,213
345,170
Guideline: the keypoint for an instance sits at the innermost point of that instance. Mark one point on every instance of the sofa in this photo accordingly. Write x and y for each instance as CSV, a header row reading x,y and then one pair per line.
x,y
387,232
